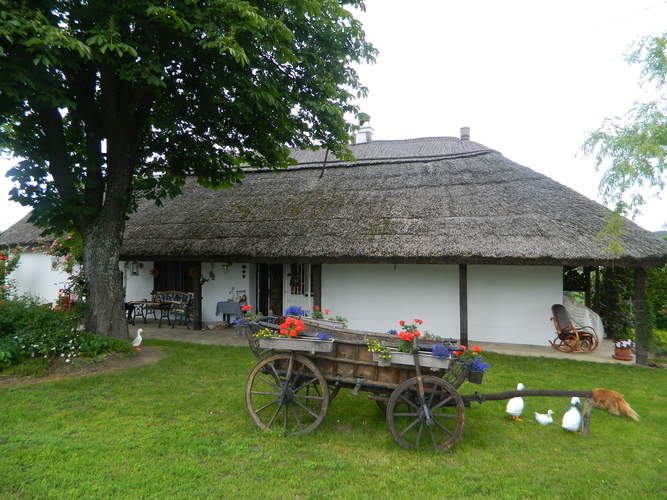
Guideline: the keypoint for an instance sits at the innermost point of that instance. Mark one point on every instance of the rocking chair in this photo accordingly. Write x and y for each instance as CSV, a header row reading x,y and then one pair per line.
x,y
569,338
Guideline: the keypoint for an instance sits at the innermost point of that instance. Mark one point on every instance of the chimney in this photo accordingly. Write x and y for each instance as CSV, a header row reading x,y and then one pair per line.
x,y
465,133
365,133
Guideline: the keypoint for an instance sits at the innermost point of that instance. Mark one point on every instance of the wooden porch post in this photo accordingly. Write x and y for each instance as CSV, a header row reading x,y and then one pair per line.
x,y
641,330
463,303
196,313
587,286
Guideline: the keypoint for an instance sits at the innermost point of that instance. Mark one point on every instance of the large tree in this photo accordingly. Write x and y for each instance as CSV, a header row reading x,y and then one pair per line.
x,y
109,102
633,149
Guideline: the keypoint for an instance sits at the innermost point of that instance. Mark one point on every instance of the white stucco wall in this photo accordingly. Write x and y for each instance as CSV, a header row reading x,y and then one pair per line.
x,y
139,286
509,304
35,277
374,297
512,304
226,285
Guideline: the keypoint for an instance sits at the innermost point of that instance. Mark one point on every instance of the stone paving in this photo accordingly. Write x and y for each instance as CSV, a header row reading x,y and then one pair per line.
x,y
235,337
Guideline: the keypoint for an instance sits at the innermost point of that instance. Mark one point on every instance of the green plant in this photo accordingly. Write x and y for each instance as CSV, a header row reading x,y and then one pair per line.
x,y
383,350
265,333
660,339
341,319
9,261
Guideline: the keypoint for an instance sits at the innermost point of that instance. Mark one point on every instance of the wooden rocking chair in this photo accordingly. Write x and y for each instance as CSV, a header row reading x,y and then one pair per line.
x,y
569,338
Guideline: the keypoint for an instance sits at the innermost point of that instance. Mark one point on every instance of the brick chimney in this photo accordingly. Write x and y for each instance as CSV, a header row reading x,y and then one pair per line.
x,y
465,133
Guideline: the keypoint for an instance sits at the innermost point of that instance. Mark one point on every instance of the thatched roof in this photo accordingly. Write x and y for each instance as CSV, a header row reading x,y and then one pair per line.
x,y
421,200
21,233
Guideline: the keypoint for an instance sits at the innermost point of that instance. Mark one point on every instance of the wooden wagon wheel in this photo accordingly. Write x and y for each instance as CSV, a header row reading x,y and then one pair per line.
x,y
287,391
436,421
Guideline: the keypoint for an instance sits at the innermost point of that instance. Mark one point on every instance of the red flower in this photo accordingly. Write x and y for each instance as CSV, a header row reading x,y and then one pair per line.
x,y
316,308
418,333
3,256
402,323
246,308
326,311
476,349
418,321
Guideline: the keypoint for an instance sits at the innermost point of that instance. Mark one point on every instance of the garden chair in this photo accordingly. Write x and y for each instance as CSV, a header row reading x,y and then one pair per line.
x,y
181,310
570,338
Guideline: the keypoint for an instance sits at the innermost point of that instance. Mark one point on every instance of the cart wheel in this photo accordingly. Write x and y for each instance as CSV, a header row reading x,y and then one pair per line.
x,y
456,374
287,391
436,421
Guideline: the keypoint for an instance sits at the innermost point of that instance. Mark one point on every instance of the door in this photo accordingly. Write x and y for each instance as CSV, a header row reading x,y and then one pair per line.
x,y
297,286
276,289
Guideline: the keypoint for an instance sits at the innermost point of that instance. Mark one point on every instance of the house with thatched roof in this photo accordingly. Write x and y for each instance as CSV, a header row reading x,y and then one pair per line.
x,y
441,228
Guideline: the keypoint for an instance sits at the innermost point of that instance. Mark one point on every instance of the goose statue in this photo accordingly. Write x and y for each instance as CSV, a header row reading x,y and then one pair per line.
x,y
572,417
136,343
515,405
544,418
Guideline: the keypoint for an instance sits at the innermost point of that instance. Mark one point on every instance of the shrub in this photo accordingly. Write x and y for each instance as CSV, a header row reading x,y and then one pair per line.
x,y
32,330
660,341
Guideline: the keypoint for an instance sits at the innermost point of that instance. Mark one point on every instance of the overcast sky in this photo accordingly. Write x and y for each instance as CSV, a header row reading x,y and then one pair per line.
x,y
530,78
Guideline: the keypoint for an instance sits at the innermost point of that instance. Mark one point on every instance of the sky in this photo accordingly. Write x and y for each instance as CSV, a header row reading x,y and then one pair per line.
x,y
530,78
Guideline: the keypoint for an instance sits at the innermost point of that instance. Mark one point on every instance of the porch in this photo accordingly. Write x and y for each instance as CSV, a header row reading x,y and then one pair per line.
x,y
234,337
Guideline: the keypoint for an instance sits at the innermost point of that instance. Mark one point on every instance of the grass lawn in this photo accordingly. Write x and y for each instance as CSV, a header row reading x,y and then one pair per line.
x,y
179,429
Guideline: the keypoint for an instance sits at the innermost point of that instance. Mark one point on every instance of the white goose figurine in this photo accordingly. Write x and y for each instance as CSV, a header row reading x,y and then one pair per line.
x,y
136,343
572,417
544,418
515,405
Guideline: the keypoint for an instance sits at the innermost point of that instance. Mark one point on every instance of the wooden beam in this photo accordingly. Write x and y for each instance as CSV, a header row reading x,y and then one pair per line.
x,y
197,313
554,393
641,324
587,286
463,303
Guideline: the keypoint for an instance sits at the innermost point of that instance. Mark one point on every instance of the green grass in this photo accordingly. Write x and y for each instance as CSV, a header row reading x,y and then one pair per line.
x,y
179,429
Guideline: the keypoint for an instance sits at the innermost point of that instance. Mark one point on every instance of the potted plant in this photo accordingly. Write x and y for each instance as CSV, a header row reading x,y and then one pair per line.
x,y
407,346
474,363
623,350
288,339
381,352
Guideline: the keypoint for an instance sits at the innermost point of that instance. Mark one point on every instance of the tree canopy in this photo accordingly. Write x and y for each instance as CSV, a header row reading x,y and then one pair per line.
x,y
191,87
109,102
633,149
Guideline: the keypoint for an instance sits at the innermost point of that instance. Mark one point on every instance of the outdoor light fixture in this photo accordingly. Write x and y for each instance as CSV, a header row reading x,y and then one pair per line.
x,y
134,268
226,266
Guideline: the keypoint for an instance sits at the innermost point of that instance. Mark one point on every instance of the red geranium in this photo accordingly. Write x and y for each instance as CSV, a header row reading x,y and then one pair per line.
x,y
402,323
418,321
291,326
3,256
316,308
326,311
476,349
246,308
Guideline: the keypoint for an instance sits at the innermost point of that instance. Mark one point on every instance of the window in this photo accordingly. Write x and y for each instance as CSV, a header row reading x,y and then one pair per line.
x,y
298,279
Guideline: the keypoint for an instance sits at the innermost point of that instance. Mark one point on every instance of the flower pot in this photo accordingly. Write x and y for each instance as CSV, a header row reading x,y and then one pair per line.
x,y
623,353
426,360
311,345
475,377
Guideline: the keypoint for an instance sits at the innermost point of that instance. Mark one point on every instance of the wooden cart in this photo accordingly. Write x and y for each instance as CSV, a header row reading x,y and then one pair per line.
x,y
294,381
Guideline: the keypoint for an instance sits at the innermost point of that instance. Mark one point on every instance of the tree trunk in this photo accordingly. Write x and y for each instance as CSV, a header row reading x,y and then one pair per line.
x,y
105,302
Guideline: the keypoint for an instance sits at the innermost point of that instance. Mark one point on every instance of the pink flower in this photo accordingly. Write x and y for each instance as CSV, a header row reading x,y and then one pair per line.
x,y
326,311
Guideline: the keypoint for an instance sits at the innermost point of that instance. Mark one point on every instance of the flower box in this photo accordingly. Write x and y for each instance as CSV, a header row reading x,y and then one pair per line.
x,y
406,358
324,323
475,377
311,345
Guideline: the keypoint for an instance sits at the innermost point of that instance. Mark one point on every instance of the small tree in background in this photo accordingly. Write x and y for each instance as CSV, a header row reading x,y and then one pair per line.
x,y
109,102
